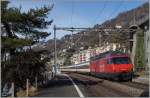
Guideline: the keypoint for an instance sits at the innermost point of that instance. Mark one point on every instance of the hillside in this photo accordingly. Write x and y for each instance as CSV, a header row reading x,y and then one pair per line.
x,y
125,18
88,38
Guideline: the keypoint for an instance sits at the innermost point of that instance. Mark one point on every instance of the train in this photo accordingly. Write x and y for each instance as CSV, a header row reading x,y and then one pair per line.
x,y
112,65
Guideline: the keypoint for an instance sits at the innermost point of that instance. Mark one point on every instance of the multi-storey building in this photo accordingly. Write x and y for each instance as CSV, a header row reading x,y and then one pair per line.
x,y
85,55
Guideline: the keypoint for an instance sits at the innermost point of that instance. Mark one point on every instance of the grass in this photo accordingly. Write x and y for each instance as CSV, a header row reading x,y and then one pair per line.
x,y
32,92
142,73
140,50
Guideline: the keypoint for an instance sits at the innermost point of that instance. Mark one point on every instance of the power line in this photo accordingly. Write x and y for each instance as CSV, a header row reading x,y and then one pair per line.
x,y
72,13
116,9
112,13
100,12
119,7
72,21
90,29
52,1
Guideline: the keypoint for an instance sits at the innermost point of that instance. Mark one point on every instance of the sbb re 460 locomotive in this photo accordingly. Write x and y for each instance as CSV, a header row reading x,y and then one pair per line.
x,y
112,65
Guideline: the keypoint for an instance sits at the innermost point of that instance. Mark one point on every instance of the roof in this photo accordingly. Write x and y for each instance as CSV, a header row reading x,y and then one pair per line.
x,y
116,53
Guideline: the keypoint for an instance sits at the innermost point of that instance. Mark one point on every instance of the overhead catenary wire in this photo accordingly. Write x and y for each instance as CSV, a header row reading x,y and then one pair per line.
x,y
98,16
100,13
72,22
72,13
114,11
52,1
120,5
110,15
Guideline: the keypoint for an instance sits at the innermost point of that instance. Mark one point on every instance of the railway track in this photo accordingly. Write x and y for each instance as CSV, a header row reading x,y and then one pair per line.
x,y
106,88
94,88
128,83
136,85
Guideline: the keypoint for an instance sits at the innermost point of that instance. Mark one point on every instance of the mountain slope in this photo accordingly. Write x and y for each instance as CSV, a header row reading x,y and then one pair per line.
x,y
89,38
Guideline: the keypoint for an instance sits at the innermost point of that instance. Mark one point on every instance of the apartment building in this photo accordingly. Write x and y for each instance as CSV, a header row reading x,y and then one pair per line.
x,y
84,55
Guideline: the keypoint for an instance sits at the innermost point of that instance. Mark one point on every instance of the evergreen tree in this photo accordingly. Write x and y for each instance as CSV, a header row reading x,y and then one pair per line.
x,y
23,62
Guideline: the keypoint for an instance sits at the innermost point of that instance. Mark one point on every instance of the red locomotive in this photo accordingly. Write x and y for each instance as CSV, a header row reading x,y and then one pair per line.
x,y
112,65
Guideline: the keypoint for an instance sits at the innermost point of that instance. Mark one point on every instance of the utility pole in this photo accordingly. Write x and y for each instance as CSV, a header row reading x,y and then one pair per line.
x,y
13,91
36,86
134,18
55,52
100,39
27,87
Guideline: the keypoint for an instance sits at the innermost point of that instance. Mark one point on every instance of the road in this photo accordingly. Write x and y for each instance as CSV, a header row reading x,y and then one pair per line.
x,y
61,86
79,85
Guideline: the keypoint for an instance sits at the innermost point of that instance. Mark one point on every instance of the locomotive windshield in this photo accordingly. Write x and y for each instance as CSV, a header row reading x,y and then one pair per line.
x,y
120,60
